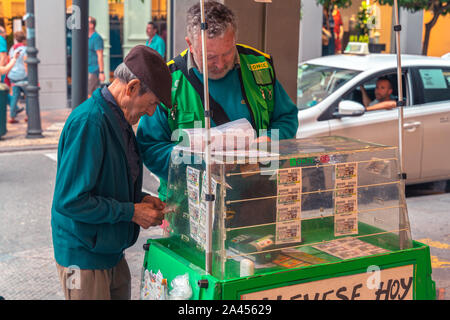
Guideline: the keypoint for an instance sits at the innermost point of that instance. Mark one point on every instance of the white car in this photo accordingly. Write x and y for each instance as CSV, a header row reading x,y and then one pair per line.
x,y
330,103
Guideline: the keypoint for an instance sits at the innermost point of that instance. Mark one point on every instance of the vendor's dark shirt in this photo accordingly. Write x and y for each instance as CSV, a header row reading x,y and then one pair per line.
x,y
127,133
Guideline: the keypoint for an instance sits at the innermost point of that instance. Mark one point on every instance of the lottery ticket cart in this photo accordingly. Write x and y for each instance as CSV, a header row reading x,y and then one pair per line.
x,y
318,218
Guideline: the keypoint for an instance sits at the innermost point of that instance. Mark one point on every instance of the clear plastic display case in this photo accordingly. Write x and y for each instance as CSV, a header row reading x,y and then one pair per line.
x,y
304,202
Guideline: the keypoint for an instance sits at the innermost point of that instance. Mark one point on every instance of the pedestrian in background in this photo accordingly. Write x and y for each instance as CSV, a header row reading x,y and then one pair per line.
x,y
98,203
95,58
17,75
338,30
328,37
3,49
154,40
5,69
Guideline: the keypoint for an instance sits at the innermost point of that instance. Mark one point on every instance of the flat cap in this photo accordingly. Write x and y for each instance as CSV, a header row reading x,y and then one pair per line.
x,y
149,67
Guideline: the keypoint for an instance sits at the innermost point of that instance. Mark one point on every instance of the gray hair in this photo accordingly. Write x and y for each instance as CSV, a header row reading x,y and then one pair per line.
x,y
218,17
124,74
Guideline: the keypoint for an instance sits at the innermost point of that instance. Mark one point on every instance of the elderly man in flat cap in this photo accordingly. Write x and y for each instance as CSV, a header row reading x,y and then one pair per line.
x,y
98,204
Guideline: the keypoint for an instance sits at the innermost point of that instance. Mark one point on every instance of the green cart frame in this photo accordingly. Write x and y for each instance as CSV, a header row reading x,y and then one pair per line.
x,y
207,287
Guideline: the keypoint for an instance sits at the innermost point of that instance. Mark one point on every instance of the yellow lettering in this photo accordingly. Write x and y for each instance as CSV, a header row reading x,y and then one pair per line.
x,y
259,66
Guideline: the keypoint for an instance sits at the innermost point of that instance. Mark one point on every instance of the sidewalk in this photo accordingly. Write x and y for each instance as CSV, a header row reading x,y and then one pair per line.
x,y
52,123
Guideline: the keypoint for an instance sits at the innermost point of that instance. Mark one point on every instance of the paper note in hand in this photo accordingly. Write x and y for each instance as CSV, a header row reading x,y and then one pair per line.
x,y
234,135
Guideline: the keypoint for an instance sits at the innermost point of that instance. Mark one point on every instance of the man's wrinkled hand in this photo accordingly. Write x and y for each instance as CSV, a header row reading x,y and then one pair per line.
x,y
146,215
156,202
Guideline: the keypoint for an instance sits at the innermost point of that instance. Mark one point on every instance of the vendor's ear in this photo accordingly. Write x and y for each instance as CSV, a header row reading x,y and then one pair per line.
x,y
133,87
189,43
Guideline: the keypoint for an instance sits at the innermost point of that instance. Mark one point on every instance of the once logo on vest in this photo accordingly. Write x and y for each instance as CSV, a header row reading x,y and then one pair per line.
x,y
258,66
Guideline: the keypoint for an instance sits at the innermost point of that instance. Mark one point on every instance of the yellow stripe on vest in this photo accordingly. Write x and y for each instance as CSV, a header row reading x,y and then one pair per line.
x,y
172,61
260,52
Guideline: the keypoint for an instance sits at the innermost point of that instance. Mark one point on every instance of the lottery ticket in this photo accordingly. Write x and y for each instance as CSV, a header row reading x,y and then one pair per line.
x,y
194,212
347,248
192,176
346,189
288,232
289,188
197,203
290,176
193,195
346,199
288,211
193,228
288,195
193,185
346,171
203,214
193,190
201,237
345,224
345,206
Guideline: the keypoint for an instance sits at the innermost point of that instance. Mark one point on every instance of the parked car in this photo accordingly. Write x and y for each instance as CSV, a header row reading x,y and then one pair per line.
x,y
330,103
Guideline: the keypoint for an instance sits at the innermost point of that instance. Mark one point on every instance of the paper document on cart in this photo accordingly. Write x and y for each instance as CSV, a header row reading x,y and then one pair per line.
x,y
234,135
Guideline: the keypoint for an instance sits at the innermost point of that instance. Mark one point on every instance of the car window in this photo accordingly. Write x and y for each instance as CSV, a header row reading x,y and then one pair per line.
x,y
435,84
356,94
315,83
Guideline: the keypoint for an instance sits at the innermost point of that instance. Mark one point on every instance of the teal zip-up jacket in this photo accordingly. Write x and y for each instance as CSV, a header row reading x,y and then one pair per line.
x,y
94,197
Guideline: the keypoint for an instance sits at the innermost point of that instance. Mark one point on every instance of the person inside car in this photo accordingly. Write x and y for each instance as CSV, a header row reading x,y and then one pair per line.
x,y
383,96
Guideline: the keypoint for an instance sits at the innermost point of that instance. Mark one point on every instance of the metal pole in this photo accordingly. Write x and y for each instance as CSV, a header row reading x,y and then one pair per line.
x,y
397,29
208,245
170,27
34,129
80,37
403,221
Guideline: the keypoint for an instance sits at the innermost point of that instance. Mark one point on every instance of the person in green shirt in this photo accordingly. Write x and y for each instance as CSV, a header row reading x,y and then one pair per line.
x,y
98,204
3,49
96,66
154,41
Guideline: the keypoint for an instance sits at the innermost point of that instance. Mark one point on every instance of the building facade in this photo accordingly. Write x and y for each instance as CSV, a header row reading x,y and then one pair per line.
x,y
122,25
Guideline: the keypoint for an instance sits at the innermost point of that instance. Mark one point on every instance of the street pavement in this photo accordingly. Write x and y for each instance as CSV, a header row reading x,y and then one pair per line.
x,y
27,175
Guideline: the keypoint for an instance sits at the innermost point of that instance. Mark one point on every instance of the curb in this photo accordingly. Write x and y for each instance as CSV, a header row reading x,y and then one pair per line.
x,y
29,148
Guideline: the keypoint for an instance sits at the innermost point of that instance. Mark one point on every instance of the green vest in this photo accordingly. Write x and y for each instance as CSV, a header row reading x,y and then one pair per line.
x,y
257,77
